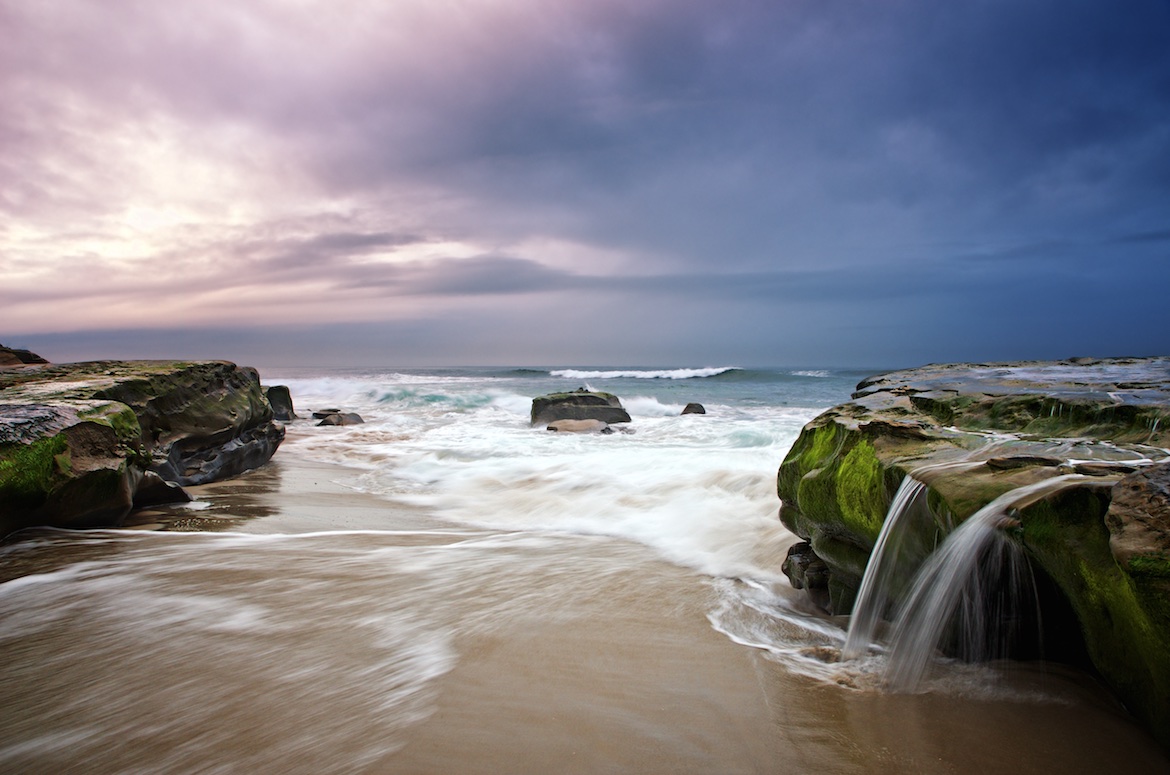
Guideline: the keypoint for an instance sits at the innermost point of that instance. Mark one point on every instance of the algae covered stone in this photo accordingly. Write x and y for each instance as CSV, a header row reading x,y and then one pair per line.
x,y
973,432
76,439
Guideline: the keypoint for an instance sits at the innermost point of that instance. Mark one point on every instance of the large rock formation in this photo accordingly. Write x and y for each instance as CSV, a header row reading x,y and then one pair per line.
x,y
76,439
975,432
579,404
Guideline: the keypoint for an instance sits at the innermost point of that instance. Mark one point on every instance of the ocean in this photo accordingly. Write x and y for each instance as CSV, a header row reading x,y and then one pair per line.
x,y
444,588
697,490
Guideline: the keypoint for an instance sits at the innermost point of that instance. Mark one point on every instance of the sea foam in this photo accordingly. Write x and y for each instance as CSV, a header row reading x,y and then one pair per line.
x,y
644,374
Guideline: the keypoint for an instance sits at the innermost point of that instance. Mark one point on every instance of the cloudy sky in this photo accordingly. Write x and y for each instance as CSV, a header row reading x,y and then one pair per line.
x,y
585,182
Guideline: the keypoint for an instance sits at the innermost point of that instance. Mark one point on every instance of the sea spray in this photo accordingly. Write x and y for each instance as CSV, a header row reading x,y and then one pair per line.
x,y
974,569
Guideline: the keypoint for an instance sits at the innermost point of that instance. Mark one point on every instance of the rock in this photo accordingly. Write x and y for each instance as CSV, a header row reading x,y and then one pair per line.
x,y
579,426
693,408
71,464
805,570
1139,521
153,490
281,402
1010,462
76,440
321,414
10,358
579,404
1009,425
339,418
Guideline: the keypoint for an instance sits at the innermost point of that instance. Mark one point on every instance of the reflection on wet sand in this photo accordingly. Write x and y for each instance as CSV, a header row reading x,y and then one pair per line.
x,y
343,633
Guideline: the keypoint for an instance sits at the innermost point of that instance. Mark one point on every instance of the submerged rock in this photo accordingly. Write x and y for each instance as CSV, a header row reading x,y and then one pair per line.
x,y
579,404
77,439
340,418
973,432
579,426
694,408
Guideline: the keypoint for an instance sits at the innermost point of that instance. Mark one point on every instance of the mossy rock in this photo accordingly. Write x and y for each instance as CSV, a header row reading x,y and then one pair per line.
x,y
973,432
79,468
190,423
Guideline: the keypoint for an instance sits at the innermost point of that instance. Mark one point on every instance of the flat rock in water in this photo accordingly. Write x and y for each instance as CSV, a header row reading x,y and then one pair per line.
x,y
579,426
341,418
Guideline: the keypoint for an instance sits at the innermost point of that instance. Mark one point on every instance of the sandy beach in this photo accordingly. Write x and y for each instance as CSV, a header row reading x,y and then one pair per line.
x,y
579,655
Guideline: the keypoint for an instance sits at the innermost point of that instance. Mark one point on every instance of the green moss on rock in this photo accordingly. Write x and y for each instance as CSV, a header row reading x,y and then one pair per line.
x,y
861,491
28,472
1011,425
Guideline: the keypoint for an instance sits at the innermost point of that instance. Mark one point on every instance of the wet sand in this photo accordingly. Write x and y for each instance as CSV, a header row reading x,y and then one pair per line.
x,y
556,654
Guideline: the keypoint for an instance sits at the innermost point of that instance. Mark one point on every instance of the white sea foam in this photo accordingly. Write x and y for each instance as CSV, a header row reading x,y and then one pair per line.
x,y
648,406
644,374
698,489
819,373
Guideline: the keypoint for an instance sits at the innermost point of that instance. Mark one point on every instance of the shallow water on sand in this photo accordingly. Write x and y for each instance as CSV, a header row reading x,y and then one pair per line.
x,y
441,649
467,594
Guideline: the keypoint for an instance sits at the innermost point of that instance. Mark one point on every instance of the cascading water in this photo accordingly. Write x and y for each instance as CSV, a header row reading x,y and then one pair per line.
x,y
896,553
879,571
979,570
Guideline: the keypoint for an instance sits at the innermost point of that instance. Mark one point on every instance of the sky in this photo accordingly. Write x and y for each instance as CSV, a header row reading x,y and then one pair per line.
x,y
585,182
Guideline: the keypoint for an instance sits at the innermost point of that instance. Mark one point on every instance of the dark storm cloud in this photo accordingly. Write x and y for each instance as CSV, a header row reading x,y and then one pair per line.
x,y
836,156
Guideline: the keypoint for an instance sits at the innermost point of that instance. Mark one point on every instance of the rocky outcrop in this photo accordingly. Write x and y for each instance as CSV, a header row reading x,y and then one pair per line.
x,y
10,357
77,439
973,432
694,408
579,404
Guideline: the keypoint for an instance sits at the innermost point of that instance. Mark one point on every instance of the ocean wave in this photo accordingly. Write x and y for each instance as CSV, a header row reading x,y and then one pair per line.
x,y
644,373
820,373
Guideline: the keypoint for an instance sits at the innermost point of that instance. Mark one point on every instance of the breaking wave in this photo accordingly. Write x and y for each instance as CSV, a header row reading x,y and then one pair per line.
x,y
644,374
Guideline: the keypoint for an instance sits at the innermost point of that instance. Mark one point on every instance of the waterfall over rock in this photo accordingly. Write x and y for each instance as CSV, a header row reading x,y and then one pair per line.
x,y
1024,458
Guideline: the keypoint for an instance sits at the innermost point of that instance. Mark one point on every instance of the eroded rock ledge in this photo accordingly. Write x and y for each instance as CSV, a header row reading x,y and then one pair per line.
x,y
1102,540
77,439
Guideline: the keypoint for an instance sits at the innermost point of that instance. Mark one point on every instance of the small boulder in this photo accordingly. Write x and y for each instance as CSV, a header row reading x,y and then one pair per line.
x,y
339,418
321,414
805,570
281,401
693,408
153,490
